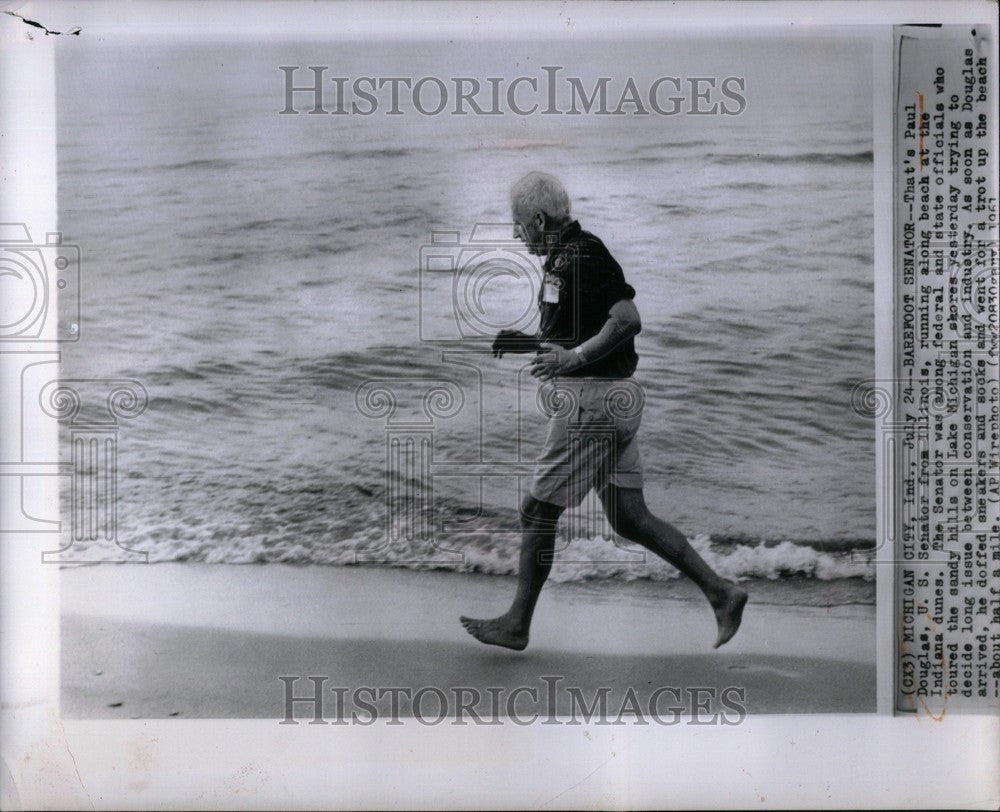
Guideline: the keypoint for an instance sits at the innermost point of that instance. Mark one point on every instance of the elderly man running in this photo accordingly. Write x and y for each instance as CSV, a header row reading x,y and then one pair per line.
x,y
585,353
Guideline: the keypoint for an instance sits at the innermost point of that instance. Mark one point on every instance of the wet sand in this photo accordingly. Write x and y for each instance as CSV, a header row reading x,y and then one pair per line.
x,y
211,641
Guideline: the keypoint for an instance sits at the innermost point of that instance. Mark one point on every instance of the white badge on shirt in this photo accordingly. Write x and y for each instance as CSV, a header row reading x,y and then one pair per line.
x,y
550,291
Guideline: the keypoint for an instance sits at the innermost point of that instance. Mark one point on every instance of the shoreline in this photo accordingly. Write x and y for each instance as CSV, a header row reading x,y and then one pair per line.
x,y
794,589
211,641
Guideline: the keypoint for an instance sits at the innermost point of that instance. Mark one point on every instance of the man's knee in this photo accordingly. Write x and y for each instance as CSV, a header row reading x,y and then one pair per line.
x,y
534,512
626,511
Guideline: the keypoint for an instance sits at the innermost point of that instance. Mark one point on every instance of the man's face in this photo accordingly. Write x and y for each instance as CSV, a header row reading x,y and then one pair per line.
x,y
530,229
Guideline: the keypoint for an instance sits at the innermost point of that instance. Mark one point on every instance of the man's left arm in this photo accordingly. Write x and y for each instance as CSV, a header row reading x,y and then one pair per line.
x,y
623,323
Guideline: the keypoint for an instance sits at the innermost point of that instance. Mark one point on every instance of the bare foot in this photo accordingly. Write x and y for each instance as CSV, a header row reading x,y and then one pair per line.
x,y
495,632
729,614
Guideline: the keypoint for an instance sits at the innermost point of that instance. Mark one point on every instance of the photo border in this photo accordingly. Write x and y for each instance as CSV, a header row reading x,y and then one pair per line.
x,y
844,760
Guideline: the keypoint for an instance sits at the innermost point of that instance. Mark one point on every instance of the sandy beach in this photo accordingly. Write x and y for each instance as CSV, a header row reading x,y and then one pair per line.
x,y
211,641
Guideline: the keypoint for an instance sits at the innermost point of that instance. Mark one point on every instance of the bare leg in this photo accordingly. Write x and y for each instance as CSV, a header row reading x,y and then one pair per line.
x,y
538,522
626,510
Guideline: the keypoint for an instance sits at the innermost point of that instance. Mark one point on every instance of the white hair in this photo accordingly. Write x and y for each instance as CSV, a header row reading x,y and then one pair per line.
x,y
538,191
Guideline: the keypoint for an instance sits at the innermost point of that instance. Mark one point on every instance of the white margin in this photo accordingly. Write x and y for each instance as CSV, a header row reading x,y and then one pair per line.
x,y
769,762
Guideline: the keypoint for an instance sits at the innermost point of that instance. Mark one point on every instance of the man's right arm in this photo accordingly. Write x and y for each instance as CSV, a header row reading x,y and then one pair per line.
x,y
622,324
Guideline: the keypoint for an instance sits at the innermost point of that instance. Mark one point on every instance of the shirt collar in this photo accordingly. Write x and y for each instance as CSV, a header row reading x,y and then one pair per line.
x,y
566,235
568,232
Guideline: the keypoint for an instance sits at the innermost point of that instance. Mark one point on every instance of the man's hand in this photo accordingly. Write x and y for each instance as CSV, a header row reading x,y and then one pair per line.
x,y
513,341
554,360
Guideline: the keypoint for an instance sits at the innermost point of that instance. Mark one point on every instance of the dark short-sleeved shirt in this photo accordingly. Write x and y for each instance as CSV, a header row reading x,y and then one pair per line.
x,y
582,282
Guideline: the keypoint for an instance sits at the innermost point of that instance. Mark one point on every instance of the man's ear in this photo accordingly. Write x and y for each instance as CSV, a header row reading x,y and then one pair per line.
x,y
540,220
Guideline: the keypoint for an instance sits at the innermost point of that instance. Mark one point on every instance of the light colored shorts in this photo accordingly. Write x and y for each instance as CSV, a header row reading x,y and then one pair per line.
x,y
591,439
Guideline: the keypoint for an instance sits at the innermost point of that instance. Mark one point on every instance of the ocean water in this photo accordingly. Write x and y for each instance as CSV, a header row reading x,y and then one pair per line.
x,y
255,271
